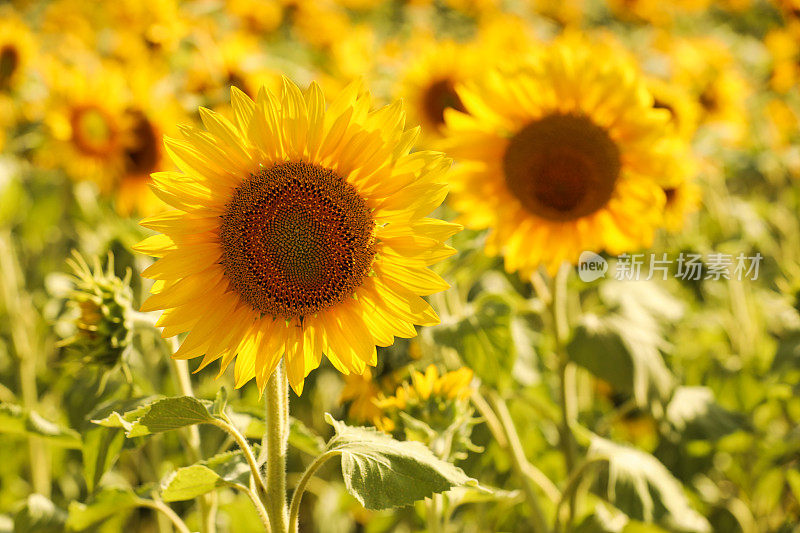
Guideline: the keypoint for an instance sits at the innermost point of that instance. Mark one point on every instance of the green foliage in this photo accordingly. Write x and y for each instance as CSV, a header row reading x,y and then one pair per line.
x,y
161,415
39,515
638,484
110,502
18,421
383,473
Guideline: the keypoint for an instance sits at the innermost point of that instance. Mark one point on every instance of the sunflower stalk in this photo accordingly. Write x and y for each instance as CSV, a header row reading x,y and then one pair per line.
x,y
566,377
277,440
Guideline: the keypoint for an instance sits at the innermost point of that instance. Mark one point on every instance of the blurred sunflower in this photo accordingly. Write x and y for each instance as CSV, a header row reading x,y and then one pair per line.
x,y
298,231
683,109
87,131
17,49
428,83
681,199
145,126
783,46
564,154
707,68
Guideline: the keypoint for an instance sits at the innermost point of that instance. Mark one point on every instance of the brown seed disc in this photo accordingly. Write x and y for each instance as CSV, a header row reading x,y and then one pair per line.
x,y
297,239
439,96
562,167
9,61
141,156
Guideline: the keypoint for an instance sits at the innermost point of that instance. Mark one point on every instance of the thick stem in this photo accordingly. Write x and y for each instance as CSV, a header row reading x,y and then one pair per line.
x,y
566,378
277,440
22,317
294,510
565,375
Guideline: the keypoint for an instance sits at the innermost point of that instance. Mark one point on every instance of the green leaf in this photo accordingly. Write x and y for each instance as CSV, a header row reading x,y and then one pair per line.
x,y
161,415
483,339
639,485
382,473
192,481
18,421
102,445
220,402
106,504
623,353
303,438
189,482
39,515
695,415
101,448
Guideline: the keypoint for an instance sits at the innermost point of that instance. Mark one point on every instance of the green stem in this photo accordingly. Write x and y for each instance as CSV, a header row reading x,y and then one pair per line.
x,y
498,432
167,511
277,439
571,488
247,451
207,503
259,505
294,510
22,318
518,460
566,374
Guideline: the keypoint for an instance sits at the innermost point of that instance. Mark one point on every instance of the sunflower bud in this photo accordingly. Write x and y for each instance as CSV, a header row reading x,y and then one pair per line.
x,y
102,308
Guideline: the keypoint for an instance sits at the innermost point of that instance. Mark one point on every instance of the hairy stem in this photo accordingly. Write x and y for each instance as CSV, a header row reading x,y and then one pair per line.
x,y
277,439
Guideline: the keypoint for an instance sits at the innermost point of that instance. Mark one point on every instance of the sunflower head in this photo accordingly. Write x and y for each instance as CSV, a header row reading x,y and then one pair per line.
x,y
429,81
563,153
17,47
299,230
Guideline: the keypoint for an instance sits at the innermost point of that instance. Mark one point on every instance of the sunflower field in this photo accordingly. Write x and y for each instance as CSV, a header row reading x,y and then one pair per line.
x,y
400,266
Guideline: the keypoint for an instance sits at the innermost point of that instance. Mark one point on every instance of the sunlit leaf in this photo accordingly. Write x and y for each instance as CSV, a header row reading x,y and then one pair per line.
x,y
639,485
382,473
695,415
39,515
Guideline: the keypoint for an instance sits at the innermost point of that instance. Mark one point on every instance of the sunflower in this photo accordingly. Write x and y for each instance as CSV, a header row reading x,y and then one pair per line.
x,y
17,48
709,71
86,131
145,125
564,154
428,82
681,199
299,230
782,45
